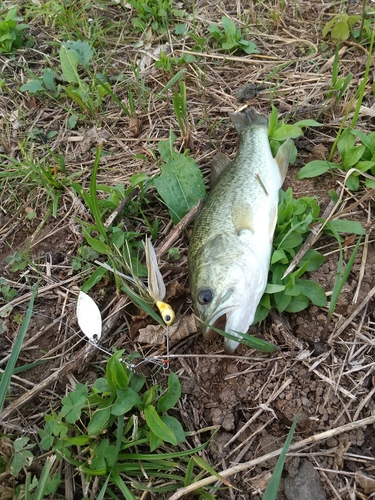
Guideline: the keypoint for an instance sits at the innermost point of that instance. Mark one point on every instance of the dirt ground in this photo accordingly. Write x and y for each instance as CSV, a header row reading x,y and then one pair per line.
x,y
324,367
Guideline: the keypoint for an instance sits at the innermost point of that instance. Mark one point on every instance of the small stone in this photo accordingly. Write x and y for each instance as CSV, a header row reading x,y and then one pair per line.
x,y
305,485
248,91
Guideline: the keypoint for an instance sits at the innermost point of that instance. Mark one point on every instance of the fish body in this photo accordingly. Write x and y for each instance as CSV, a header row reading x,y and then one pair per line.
x,y
230,250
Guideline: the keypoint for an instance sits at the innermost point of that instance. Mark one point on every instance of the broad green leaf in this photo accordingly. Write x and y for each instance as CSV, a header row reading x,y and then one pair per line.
x,y
103,455
166,150
116,372
346,142
157,426
314,259
279,255
248,47
274,288
33,86
352,156
98,421
308,123
180,185
83,49
313,291
94,279
315,168
126,400
286,131
346,226
340,31
69,60
281,301
155,441
49,79
367,140
297,304
327,28
363,166
72,121
229,45
96,244
292,240
261,312
77,440
174,425
352,182
173,394
229,27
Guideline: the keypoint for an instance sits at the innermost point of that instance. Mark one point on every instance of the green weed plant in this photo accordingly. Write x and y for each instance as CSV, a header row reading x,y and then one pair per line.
x,y
120,426
230,37
340,27
11,31
155,14
357,151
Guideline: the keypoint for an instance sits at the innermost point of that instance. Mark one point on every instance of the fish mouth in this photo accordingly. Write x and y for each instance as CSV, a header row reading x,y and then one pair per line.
x,y
217,320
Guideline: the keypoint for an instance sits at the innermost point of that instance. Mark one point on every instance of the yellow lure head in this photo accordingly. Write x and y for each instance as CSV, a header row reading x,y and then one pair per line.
x,y
166,312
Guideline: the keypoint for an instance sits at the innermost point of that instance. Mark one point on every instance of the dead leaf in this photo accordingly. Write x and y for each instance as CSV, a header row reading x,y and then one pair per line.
x,y
365,482
155,334
92,137
151,56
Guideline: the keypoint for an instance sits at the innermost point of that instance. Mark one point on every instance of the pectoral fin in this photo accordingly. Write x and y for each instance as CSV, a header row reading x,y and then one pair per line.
x,y
219,164
273,220
242,217
283,157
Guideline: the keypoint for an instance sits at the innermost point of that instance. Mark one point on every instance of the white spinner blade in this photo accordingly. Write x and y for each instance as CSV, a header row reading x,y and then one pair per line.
x,y
89,317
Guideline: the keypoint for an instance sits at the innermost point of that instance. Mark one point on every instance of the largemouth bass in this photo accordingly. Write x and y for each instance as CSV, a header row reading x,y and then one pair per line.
x,y
230,250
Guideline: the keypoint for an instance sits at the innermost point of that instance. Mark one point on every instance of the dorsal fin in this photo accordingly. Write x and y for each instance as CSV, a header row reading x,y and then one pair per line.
x,y
219,164
283,157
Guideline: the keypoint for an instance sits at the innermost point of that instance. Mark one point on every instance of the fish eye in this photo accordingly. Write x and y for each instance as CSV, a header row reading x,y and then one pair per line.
x,y
205,296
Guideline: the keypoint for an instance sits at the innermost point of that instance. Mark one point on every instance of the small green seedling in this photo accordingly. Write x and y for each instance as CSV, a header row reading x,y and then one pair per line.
x,y
279,132
11,31
340,27
89,96
154,13
357,151
6,291
231,38
18,261
339,84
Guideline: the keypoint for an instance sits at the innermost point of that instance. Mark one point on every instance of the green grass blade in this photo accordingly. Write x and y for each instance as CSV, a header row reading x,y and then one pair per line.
x,y
44,478
4,384
248,340
273,485
172,81
93,198
122,486
342,276
115,98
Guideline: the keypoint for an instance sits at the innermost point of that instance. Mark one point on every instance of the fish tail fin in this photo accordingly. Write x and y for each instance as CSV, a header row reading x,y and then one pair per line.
x,y
283,157
247,118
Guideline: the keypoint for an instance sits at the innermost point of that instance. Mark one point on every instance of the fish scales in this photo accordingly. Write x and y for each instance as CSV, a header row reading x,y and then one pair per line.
x,y
229,253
